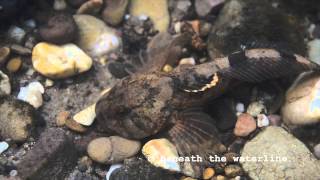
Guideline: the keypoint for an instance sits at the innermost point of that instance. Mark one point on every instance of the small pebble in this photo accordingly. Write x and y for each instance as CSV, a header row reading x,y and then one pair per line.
x,y
86,117
167,68
3,146
73,125
20,50
59,5
255,108
262,120
30,24
208,173
177,27
232,170
220,177
161,153
32,94
48,83
16,34
4,54
5,87
14,64
62,118
314,50
245,125
112,168
13,173
188,61
316,151
240,107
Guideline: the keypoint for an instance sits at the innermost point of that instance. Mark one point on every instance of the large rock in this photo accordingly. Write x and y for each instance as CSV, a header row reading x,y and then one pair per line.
x,y
60,61
52,157
296,161
302,102
253,24
16,119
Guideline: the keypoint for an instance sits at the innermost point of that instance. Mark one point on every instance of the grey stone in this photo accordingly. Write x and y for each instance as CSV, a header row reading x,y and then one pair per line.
x,y
16,119
253,24
296,161
53,157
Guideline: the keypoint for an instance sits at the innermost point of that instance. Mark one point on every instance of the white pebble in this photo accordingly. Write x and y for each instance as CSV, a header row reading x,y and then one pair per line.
x,y
49,83
143,17
240,107
262,120
188,61
32,94
13,173
16,34
314,50
59,5
111,169
30,23
3,146
177,27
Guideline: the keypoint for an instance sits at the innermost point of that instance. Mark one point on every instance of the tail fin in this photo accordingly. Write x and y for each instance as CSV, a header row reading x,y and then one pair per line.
x,y
194,135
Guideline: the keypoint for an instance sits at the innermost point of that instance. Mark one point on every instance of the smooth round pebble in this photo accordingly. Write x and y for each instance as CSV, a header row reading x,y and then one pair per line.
x,y
240,107
208,173
167,68
60,29
245,125
187,61
14,64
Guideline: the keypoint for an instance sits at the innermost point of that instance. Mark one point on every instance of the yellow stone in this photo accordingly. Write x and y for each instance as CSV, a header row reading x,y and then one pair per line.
x,y
167,68
156,10
208,173
58,62
14,64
